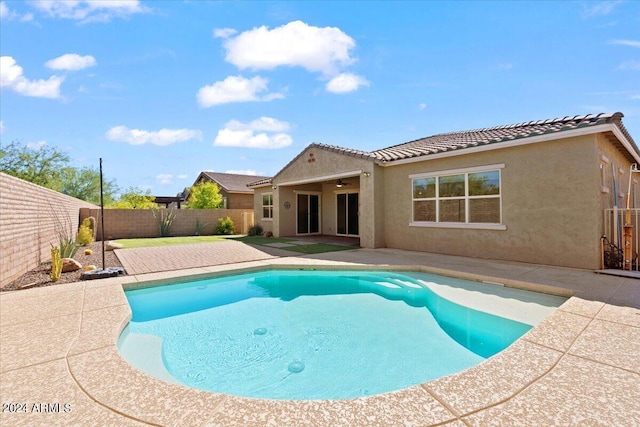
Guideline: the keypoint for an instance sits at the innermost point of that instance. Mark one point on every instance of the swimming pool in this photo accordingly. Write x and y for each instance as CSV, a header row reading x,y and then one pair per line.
x,y
292,334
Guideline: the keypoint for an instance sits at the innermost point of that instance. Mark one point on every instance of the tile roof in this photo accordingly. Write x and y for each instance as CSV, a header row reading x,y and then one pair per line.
x,y
473,138
231,182
260,183
447,142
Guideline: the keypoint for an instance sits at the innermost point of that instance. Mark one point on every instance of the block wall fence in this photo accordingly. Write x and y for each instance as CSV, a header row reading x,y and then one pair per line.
x,y
30,217
141,223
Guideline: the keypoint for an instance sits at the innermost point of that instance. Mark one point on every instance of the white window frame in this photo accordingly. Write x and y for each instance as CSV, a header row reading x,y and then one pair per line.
x,y
267,206
466,198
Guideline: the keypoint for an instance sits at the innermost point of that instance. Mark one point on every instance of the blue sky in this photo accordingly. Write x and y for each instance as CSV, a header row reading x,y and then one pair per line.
x,y
163,90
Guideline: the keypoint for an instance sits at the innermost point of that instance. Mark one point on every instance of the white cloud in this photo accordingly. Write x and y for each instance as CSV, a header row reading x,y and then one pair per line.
x,y
422,106
238,134
346,82
164,178
71,62
1,126
11,77
182,176
630,65
36,145
268,124
235,89
162,137
8,14
223,33
630,43
89,10
599,8
241,171
294,44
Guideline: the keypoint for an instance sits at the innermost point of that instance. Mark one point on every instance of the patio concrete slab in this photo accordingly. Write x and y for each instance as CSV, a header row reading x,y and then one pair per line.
x,y
51,397
40,341
610,343
577,392
129,391
41,304
558,331
497,379
101,328
411,406
577,367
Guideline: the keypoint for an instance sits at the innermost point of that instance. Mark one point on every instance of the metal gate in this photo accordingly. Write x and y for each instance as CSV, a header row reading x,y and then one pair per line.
x,y
620,242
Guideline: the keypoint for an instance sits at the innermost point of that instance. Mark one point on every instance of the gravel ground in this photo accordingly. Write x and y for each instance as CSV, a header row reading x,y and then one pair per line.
x,y
39,277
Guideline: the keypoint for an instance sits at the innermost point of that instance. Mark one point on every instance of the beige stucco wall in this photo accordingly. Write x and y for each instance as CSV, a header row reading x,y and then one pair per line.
x,y
319,163
550,206
266,224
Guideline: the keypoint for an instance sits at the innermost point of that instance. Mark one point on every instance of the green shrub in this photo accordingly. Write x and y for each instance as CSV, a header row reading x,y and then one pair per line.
x,y
85,233
225,226
255,230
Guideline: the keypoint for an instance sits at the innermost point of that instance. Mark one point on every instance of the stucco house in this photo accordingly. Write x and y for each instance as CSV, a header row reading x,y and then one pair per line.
x,y
531,192
233,188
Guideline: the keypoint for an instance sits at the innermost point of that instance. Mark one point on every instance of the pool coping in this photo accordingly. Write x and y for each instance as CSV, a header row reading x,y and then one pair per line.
x,y
537,380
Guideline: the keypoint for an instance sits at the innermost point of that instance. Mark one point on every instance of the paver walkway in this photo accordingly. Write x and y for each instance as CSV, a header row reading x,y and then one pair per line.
x,y
178,257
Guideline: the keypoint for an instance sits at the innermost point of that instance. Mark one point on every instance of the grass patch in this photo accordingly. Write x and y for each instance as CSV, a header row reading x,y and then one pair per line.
x,y
163,241
259,240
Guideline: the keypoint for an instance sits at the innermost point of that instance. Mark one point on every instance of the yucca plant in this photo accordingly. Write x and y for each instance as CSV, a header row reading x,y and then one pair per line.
x,y
165,219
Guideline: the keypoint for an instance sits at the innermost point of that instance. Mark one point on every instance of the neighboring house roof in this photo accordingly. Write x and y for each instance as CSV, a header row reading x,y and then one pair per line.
x,y
459,141
231,182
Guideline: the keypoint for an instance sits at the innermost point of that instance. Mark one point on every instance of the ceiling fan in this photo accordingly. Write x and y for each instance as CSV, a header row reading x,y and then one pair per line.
x,y
340,183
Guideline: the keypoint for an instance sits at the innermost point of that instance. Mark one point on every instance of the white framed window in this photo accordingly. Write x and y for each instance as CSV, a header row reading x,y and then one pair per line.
x,y
267,206
461,198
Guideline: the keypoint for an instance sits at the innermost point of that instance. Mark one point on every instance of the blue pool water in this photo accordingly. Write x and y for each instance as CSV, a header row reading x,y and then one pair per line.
x,y
287,334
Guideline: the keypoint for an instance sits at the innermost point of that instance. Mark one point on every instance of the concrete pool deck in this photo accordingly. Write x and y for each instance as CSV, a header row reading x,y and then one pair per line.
x,y
59,364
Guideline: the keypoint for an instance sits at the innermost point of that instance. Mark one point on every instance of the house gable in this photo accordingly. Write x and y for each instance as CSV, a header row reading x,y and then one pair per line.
x,y
319,162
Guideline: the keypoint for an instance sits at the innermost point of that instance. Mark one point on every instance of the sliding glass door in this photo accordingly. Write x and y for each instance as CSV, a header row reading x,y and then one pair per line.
x,y
308,217
347,214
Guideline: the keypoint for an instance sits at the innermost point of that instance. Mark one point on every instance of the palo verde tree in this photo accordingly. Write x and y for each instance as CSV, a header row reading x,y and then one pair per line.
x,y
135,198
205,195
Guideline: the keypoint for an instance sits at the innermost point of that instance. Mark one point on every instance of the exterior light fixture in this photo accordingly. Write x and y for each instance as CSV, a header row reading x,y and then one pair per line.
x,y
366,174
